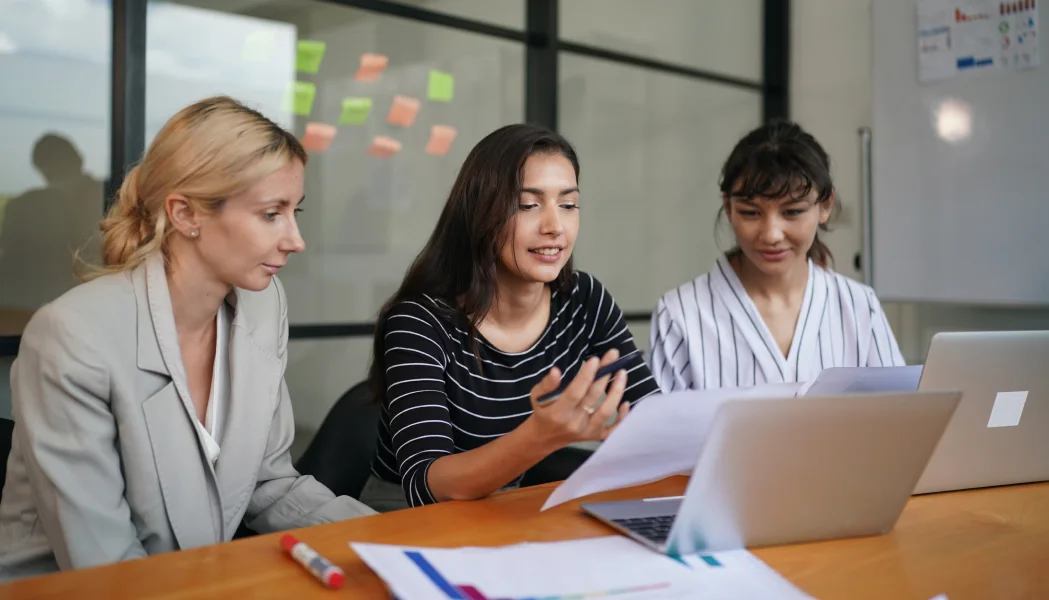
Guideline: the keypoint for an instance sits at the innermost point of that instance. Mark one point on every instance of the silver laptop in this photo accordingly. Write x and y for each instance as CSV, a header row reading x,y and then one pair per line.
x,y
1000,433
781,471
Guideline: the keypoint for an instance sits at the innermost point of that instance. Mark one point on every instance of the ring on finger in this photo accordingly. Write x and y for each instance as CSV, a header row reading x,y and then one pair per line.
x,y
590,410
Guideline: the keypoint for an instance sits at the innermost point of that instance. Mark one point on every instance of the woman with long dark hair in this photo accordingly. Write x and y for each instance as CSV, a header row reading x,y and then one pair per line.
x,y
489,318
771,310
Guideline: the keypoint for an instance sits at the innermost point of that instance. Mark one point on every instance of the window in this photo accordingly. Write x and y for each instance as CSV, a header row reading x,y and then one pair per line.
x,y
54,153
720,37
651,114
651,147
505,13
366,217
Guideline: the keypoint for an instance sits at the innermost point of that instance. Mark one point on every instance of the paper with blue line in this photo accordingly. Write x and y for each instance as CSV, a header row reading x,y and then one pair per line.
x,y
611,567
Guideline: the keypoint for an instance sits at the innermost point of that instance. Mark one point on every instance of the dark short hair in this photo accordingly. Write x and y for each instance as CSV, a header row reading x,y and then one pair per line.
x,y
780,159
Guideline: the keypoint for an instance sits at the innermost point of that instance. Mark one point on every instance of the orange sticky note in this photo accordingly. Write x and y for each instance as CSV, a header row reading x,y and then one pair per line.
x,y
441,138
403,111
372,66
384,147
318,137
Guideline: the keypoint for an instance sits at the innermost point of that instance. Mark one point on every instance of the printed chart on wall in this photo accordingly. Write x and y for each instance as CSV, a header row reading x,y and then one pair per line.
x,y
957,37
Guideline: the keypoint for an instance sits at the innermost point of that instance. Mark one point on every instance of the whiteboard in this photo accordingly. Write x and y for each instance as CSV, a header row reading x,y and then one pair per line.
x,y
957,218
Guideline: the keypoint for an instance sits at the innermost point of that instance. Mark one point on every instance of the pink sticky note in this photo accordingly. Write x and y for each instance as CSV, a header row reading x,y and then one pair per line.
x,y
403,111
318,137
441,138
384,147
372,66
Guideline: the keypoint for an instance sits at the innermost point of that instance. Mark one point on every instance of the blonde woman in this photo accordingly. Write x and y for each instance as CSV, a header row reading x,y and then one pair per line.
x,y
151,412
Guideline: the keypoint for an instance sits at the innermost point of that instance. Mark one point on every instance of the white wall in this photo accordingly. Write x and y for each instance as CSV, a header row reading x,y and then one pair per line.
x,y
831,97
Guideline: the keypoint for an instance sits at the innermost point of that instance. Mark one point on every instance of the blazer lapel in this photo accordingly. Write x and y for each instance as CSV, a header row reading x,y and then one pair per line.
x,y
183,480
186,477
149,357
255,378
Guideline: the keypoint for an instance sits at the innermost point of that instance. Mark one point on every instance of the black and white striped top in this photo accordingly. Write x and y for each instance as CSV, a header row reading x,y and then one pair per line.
x,y
707,333
438,402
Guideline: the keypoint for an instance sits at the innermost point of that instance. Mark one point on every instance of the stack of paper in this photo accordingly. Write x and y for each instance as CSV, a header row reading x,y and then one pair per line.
x,y
610,566
662,436
862,380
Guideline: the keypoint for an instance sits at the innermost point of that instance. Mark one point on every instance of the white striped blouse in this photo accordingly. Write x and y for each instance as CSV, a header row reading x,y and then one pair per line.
x,y
707,333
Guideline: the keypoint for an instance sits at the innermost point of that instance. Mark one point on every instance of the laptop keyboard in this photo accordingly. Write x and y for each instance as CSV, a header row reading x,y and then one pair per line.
x,y
655,529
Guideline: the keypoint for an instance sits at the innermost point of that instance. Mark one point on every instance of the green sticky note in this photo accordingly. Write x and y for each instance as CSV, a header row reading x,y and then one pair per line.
x,y
441,87
355,110
309,56
300,98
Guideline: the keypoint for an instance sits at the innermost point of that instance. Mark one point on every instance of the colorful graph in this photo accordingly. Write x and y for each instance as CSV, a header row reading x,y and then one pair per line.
x,y
710,560
455,591
1009,8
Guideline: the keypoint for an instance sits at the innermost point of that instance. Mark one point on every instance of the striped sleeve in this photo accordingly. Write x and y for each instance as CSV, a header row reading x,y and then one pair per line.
x,y
884,351
609,330
668,351
416,403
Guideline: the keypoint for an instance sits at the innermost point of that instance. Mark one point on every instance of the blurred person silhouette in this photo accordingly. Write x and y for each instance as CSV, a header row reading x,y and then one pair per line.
x,y
44,227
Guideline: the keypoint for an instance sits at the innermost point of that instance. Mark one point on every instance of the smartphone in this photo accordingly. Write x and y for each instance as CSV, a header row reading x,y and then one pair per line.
x,y
608,369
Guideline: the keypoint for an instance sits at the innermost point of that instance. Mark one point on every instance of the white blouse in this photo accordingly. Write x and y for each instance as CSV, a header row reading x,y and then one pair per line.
x,y
210,431
708,333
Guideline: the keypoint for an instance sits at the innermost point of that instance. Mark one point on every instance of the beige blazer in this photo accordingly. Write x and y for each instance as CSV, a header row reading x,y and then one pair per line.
x,y
106,464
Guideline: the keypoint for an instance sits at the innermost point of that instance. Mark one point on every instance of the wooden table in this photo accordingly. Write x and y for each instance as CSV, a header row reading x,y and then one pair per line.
x,y
991,543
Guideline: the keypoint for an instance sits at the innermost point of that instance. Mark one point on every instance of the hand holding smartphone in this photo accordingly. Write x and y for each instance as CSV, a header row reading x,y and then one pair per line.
x,y
608,369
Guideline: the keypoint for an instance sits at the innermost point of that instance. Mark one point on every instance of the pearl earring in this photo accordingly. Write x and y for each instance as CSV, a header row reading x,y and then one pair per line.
x,y
193,233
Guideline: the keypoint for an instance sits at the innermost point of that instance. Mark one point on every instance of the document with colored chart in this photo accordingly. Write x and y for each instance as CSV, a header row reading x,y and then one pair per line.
x,y
957,37
613,567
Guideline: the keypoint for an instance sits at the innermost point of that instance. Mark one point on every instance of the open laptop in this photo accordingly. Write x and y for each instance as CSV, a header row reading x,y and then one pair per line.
x,y
783,471
1000,433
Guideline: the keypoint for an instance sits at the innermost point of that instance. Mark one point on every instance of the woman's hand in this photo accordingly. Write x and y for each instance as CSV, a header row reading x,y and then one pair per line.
x,y
583,411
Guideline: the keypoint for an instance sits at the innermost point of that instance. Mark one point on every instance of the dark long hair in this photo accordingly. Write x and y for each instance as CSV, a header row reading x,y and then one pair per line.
x,y
458,263
776,160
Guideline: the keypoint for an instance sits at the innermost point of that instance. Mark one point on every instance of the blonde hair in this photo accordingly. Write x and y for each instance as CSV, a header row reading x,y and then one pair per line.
x,y
207,152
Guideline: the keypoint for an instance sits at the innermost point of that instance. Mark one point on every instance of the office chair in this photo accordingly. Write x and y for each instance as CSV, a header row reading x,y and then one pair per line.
x,y
6,431
340,454
556,467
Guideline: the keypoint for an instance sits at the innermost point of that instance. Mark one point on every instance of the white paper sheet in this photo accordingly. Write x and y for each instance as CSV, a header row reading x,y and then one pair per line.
x,y
863,380
742,575
612,565
662,436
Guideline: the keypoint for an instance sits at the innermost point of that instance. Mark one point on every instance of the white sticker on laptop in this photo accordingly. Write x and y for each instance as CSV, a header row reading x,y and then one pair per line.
x,y
1008,406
